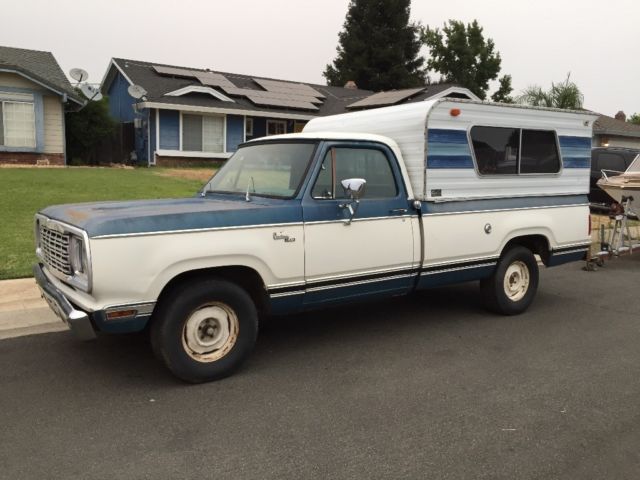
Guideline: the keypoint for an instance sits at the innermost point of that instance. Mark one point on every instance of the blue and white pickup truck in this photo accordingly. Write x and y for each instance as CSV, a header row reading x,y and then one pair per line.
x,y
362,205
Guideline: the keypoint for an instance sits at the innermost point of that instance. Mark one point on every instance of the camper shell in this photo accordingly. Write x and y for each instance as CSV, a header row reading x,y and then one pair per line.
x,y
435,138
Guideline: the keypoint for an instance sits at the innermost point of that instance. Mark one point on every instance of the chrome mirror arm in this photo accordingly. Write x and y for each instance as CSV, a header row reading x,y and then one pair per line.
x,y
354,188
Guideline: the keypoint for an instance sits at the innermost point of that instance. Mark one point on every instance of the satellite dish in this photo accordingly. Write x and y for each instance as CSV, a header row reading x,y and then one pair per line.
x,y
78,74
136,91
91,92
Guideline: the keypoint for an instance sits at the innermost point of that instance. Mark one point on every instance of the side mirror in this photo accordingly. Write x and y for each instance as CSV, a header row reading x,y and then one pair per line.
x,y
354,189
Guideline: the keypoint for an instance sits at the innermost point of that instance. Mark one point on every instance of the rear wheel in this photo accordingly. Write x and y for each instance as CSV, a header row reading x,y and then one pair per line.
x,y
204,330
513,285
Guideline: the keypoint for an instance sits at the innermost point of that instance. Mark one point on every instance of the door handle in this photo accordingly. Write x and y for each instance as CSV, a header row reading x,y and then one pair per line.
x,y
398,210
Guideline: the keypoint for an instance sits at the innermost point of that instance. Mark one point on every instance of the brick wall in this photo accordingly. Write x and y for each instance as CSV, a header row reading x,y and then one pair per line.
x,y
21,158
177,162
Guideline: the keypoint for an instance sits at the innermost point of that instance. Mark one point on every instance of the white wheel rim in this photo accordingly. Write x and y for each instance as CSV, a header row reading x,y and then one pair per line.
x,y
210,332
516,281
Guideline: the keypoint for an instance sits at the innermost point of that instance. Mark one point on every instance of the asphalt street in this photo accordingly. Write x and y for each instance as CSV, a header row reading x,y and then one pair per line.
x,y
429,386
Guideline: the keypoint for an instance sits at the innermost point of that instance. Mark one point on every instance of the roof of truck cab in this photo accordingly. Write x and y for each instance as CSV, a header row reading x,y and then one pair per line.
x,y
364,137
329,136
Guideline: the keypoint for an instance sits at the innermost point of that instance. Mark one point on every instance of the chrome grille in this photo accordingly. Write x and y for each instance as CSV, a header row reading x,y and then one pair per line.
x,y
55,249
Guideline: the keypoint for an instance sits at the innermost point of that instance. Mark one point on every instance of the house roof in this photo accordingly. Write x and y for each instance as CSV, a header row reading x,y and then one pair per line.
x,y
158,86
610,126
38,66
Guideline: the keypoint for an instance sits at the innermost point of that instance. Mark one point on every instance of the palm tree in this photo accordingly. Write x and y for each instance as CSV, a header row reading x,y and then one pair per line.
x,y
565,95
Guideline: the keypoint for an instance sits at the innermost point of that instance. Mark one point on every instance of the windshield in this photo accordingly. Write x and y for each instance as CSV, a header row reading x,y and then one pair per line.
x,y
268,169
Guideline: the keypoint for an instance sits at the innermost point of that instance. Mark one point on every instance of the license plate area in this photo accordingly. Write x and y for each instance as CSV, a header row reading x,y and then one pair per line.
x,y
57,309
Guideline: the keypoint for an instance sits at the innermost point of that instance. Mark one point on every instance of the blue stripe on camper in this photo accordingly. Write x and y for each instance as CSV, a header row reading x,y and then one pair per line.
x,y
576,151
448,149
449,161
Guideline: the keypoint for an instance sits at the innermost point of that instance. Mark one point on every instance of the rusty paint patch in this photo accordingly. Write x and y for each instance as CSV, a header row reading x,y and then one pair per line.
x,y
77,215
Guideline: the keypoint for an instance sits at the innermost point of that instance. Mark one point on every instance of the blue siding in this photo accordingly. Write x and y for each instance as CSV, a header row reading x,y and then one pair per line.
x,y
448,149
142,137
169,129
120,102
152,131
235,132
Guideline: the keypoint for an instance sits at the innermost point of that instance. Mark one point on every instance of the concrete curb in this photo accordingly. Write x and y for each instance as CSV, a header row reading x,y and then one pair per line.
x,y
23,311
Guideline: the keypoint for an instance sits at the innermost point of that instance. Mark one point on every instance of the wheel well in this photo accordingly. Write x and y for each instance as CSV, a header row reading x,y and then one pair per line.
x,y
245,277
538,244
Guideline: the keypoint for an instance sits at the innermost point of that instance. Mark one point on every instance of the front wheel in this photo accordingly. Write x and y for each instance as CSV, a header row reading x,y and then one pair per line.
x,y
513,285
204,330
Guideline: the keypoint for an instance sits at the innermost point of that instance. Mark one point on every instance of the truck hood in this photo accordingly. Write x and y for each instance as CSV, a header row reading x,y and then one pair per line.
x,y
153,216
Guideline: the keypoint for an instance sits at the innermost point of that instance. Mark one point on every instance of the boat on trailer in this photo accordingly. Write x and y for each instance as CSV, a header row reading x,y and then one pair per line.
x,y
623,186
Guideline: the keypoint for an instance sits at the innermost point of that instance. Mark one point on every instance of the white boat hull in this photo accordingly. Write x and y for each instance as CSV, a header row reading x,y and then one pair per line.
x,y
617,189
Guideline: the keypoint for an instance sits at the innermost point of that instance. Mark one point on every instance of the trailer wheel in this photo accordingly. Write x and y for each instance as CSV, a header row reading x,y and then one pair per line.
x,y
513,285
204,330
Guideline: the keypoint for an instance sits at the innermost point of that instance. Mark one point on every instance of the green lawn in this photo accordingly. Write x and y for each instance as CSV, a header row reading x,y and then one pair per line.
x,y
24,191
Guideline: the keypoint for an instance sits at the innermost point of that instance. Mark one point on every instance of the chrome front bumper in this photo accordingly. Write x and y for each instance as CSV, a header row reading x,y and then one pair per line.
x,y
77,320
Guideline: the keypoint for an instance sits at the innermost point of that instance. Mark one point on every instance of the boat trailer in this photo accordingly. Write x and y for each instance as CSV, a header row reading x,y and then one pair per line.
x,y
618,241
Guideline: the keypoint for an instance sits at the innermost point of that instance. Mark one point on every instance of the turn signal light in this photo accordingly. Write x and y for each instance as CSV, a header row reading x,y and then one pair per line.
x,y
454,112
120,314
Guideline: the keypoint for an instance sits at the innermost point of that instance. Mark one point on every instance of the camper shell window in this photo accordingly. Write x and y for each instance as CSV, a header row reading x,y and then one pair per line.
x,y
512,151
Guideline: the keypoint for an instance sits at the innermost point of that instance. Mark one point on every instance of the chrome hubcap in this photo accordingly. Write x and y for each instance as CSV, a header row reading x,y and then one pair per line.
x,y
516,281
210,332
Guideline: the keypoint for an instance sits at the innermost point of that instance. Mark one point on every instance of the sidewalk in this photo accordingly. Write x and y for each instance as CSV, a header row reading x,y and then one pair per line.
x,y
23,311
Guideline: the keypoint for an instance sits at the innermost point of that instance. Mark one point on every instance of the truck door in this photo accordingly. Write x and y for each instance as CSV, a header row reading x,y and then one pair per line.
x,y
371,255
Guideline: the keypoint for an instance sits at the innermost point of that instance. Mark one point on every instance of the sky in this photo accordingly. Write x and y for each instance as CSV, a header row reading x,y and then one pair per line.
x,y
539,41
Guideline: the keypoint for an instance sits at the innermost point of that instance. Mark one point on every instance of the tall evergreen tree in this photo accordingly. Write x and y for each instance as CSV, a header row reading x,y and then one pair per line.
x,y
504,90
462,55
378,48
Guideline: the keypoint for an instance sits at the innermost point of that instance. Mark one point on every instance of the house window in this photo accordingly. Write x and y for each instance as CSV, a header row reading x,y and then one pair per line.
x,y
512,151
248,127
276,127
298,126
202,133
17,124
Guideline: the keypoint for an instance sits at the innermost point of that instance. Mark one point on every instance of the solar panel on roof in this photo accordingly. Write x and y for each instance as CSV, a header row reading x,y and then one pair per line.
x,y
277,94
386,98
271,95
213,79
272,102
176,72
286,87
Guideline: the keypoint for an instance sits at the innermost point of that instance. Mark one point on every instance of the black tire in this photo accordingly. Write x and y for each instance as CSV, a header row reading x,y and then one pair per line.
x,y
494,291
213,306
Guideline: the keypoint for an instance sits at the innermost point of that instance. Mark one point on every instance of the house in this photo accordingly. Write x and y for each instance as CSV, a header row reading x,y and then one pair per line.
x,y
615,132
34,95
189,115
